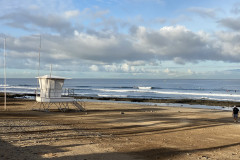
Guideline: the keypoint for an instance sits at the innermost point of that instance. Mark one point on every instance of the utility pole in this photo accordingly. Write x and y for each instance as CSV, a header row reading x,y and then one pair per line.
x,y
39,51
40,39
5,76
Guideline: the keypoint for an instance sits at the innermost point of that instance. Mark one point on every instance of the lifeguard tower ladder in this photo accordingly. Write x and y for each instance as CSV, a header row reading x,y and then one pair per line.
x,y
51,95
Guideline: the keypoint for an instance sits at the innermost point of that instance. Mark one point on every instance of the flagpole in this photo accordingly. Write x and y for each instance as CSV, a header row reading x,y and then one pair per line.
x,y
50,70
40,43
5,77
39,51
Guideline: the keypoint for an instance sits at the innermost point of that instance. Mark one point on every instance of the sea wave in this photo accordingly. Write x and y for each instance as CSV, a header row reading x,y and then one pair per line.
x,y
159,89
3,85
25,85
199,94
203,94
144,88
82,86
121,87
115,90
20,92
106,95
20,87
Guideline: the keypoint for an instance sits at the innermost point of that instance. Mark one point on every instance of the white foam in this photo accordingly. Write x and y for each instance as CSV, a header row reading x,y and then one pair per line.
x,y
105,95
173,92
199,94
114,90
18,87
3,85
145,88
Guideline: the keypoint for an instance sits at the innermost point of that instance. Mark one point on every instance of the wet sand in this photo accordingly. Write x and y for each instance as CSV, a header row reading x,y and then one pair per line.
x,y
149,100
114,131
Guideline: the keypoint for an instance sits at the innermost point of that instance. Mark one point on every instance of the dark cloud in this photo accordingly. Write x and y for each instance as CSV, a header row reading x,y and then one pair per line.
x,y
229,46
30,21
231,23
204,12
177,43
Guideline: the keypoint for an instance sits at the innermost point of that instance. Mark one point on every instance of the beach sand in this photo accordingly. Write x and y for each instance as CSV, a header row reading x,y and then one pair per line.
x,y
117,131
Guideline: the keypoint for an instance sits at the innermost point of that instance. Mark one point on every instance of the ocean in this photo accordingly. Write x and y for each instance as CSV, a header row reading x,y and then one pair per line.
x,y
212,89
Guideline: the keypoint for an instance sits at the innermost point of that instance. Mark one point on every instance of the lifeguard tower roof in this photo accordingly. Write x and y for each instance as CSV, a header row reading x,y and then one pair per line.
x,y
51,77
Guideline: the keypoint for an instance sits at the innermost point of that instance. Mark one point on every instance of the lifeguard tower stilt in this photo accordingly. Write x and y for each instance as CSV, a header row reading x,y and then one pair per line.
x,y
51,95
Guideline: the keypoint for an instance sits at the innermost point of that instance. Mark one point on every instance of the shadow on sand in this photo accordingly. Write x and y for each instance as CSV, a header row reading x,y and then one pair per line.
x,y
142,121
11,152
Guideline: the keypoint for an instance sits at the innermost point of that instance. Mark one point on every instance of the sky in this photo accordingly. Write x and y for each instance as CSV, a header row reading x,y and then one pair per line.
x,y
142,39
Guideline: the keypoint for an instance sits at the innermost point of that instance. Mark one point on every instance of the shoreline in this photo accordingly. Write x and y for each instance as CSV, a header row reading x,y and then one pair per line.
x,y
178,101
206,102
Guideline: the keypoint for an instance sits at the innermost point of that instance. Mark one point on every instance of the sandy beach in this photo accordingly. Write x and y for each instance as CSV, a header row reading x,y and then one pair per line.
x,y
117,131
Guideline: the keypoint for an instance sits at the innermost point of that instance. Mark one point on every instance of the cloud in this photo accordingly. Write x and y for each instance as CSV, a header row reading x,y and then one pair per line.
x,y
178,74
26,20
44,6
160,20
236,8
126,53
125,67
94,13
175,43
179,19
179,60
190,72
204,12
94,68
229,44
109,44
231,23
65,22
72,13
110,68
170,72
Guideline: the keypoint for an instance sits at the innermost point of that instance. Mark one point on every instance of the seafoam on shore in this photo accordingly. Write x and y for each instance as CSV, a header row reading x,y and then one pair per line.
x,y
221,90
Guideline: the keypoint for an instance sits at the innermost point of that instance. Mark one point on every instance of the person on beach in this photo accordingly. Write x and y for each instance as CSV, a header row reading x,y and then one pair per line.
x,y
235,113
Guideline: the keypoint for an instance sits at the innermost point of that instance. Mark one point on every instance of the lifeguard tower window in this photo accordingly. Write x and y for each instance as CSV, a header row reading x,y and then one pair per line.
x,y
51,87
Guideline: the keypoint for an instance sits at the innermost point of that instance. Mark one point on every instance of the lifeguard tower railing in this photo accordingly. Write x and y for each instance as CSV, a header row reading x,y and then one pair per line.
x,y
51,98
69,92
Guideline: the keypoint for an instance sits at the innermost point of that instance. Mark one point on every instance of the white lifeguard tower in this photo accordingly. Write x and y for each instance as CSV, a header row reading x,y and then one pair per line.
x,y
51,94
